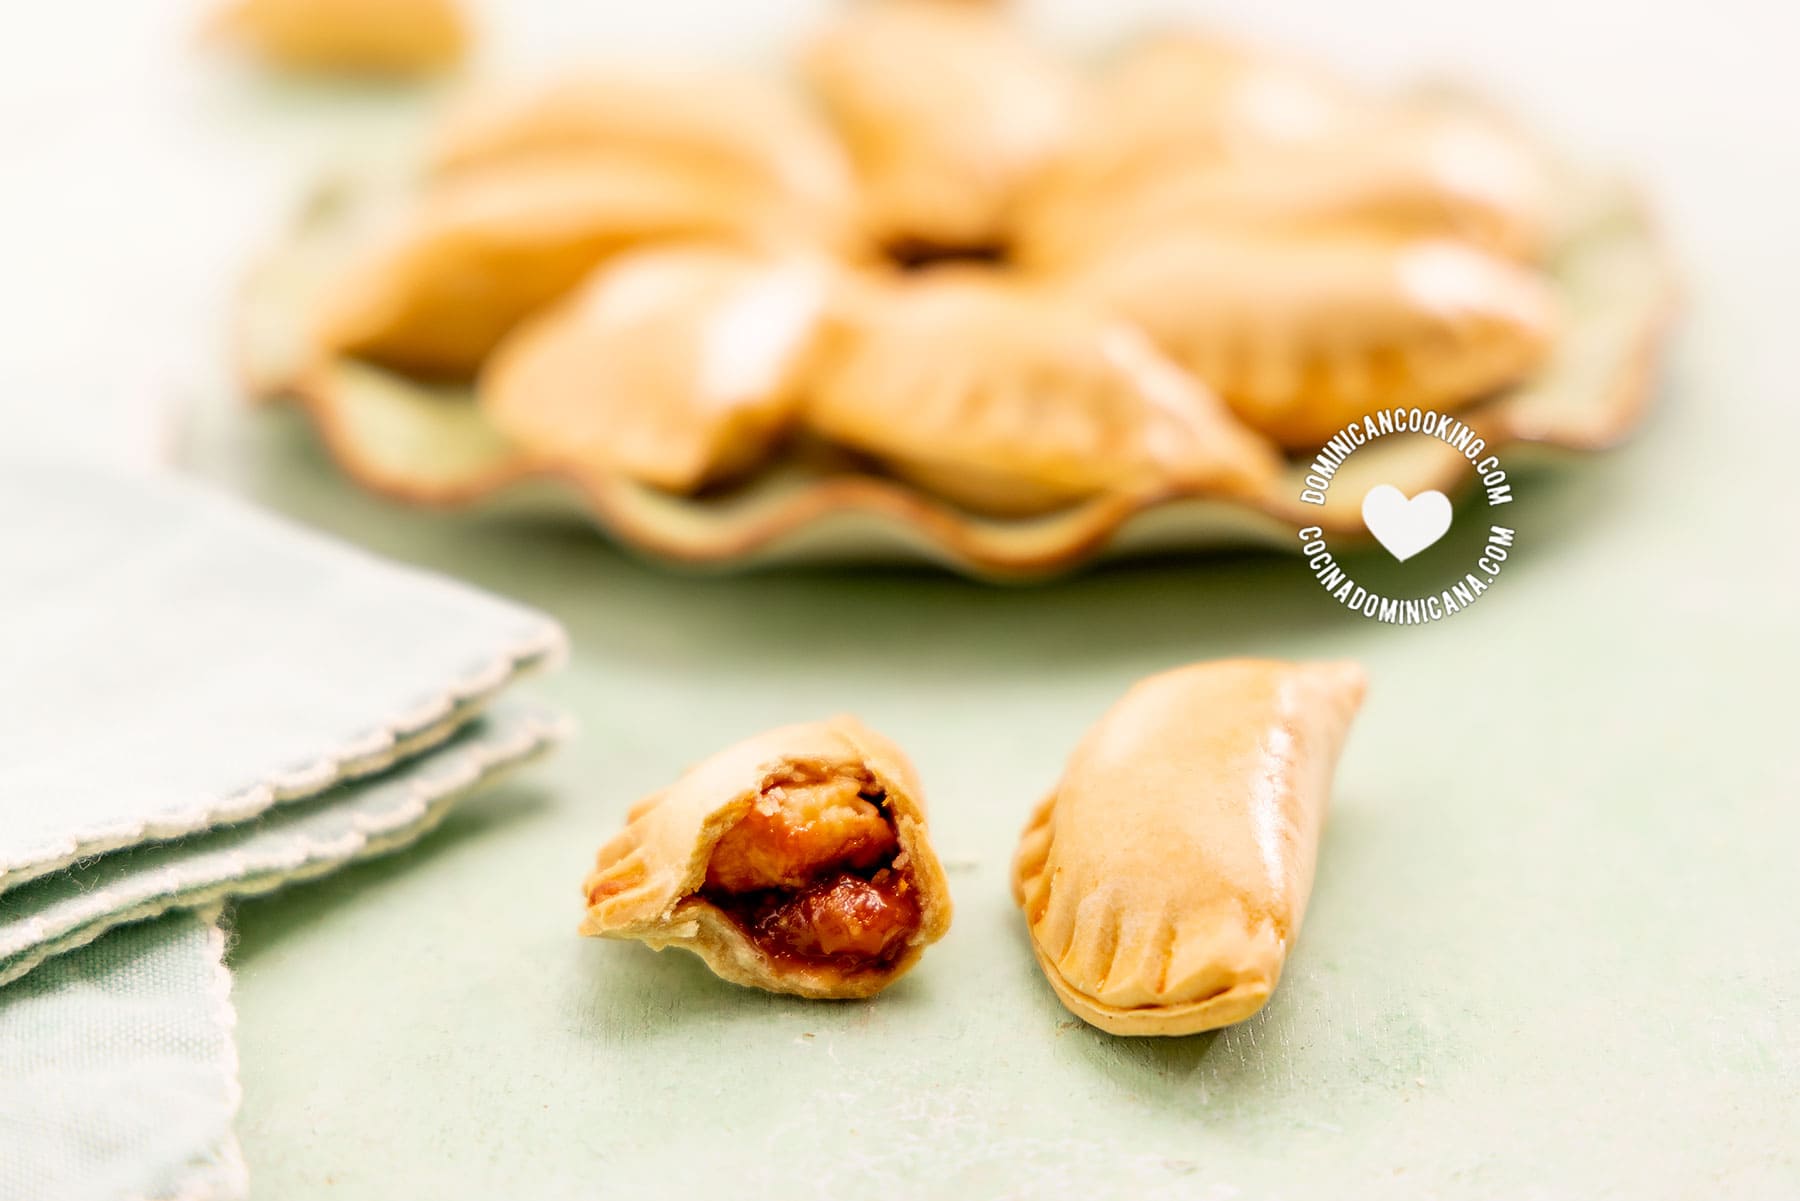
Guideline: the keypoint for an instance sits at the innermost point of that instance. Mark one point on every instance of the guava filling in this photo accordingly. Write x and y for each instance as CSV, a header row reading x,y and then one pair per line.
x,y
917,254
814,873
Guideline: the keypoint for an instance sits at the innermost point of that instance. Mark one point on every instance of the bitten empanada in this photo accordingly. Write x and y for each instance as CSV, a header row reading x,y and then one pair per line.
x,y
946,110
1302,335
797,861
482,251
1014,400
748,134
1164,879
677,367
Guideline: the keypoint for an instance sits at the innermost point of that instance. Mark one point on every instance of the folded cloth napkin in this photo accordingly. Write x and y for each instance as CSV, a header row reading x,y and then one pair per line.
x,y
296,841
199,702
172,660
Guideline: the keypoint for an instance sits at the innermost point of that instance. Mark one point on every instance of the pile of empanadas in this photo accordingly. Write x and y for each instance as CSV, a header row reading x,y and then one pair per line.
x,y
943,262
1162,881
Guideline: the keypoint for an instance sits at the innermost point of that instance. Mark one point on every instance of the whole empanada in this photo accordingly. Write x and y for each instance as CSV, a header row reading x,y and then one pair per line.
x,y
480,252
797,861
1174,104
1405,175
677,367
1015,399
746,133
1302,335
946,110
1187,96
375,37
1164,878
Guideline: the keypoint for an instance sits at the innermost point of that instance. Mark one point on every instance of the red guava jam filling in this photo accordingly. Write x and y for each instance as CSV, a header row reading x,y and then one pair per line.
x,y
809,873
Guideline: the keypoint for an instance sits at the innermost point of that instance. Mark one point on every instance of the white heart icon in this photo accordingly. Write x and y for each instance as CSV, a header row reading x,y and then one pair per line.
x,y
1404,526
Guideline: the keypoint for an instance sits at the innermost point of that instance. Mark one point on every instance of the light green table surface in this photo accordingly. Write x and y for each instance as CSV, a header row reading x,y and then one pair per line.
x,y
1551,952
1554,947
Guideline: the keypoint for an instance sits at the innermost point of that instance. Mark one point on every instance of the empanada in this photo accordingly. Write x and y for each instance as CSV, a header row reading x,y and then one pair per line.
x,y
946,109
1171,105
375,37
1185,96
1014,399
481,252
748,134
1164,878
796,861
1403,174
675,366
1301,335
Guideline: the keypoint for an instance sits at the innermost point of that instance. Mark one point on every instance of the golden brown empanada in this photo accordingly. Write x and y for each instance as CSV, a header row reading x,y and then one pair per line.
x,y
482,251
1178,97
674,366
376,37
1404,174
1014,399
746,133
796,861
1164,878
1173,104
946,109
1301,335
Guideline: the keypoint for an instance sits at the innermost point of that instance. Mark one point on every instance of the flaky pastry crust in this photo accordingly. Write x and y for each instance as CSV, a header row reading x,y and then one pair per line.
x,y
945,112
482,251
357,37
646,881
678,367
746,134
1301,336
1164,879
1018,400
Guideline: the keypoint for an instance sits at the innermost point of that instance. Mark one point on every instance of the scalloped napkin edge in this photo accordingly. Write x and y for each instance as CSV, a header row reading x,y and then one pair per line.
x,y
357,820
510,641
378,751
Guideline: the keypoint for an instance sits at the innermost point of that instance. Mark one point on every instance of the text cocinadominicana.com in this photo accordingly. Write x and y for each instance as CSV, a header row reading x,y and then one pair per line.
x,y
1414,610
